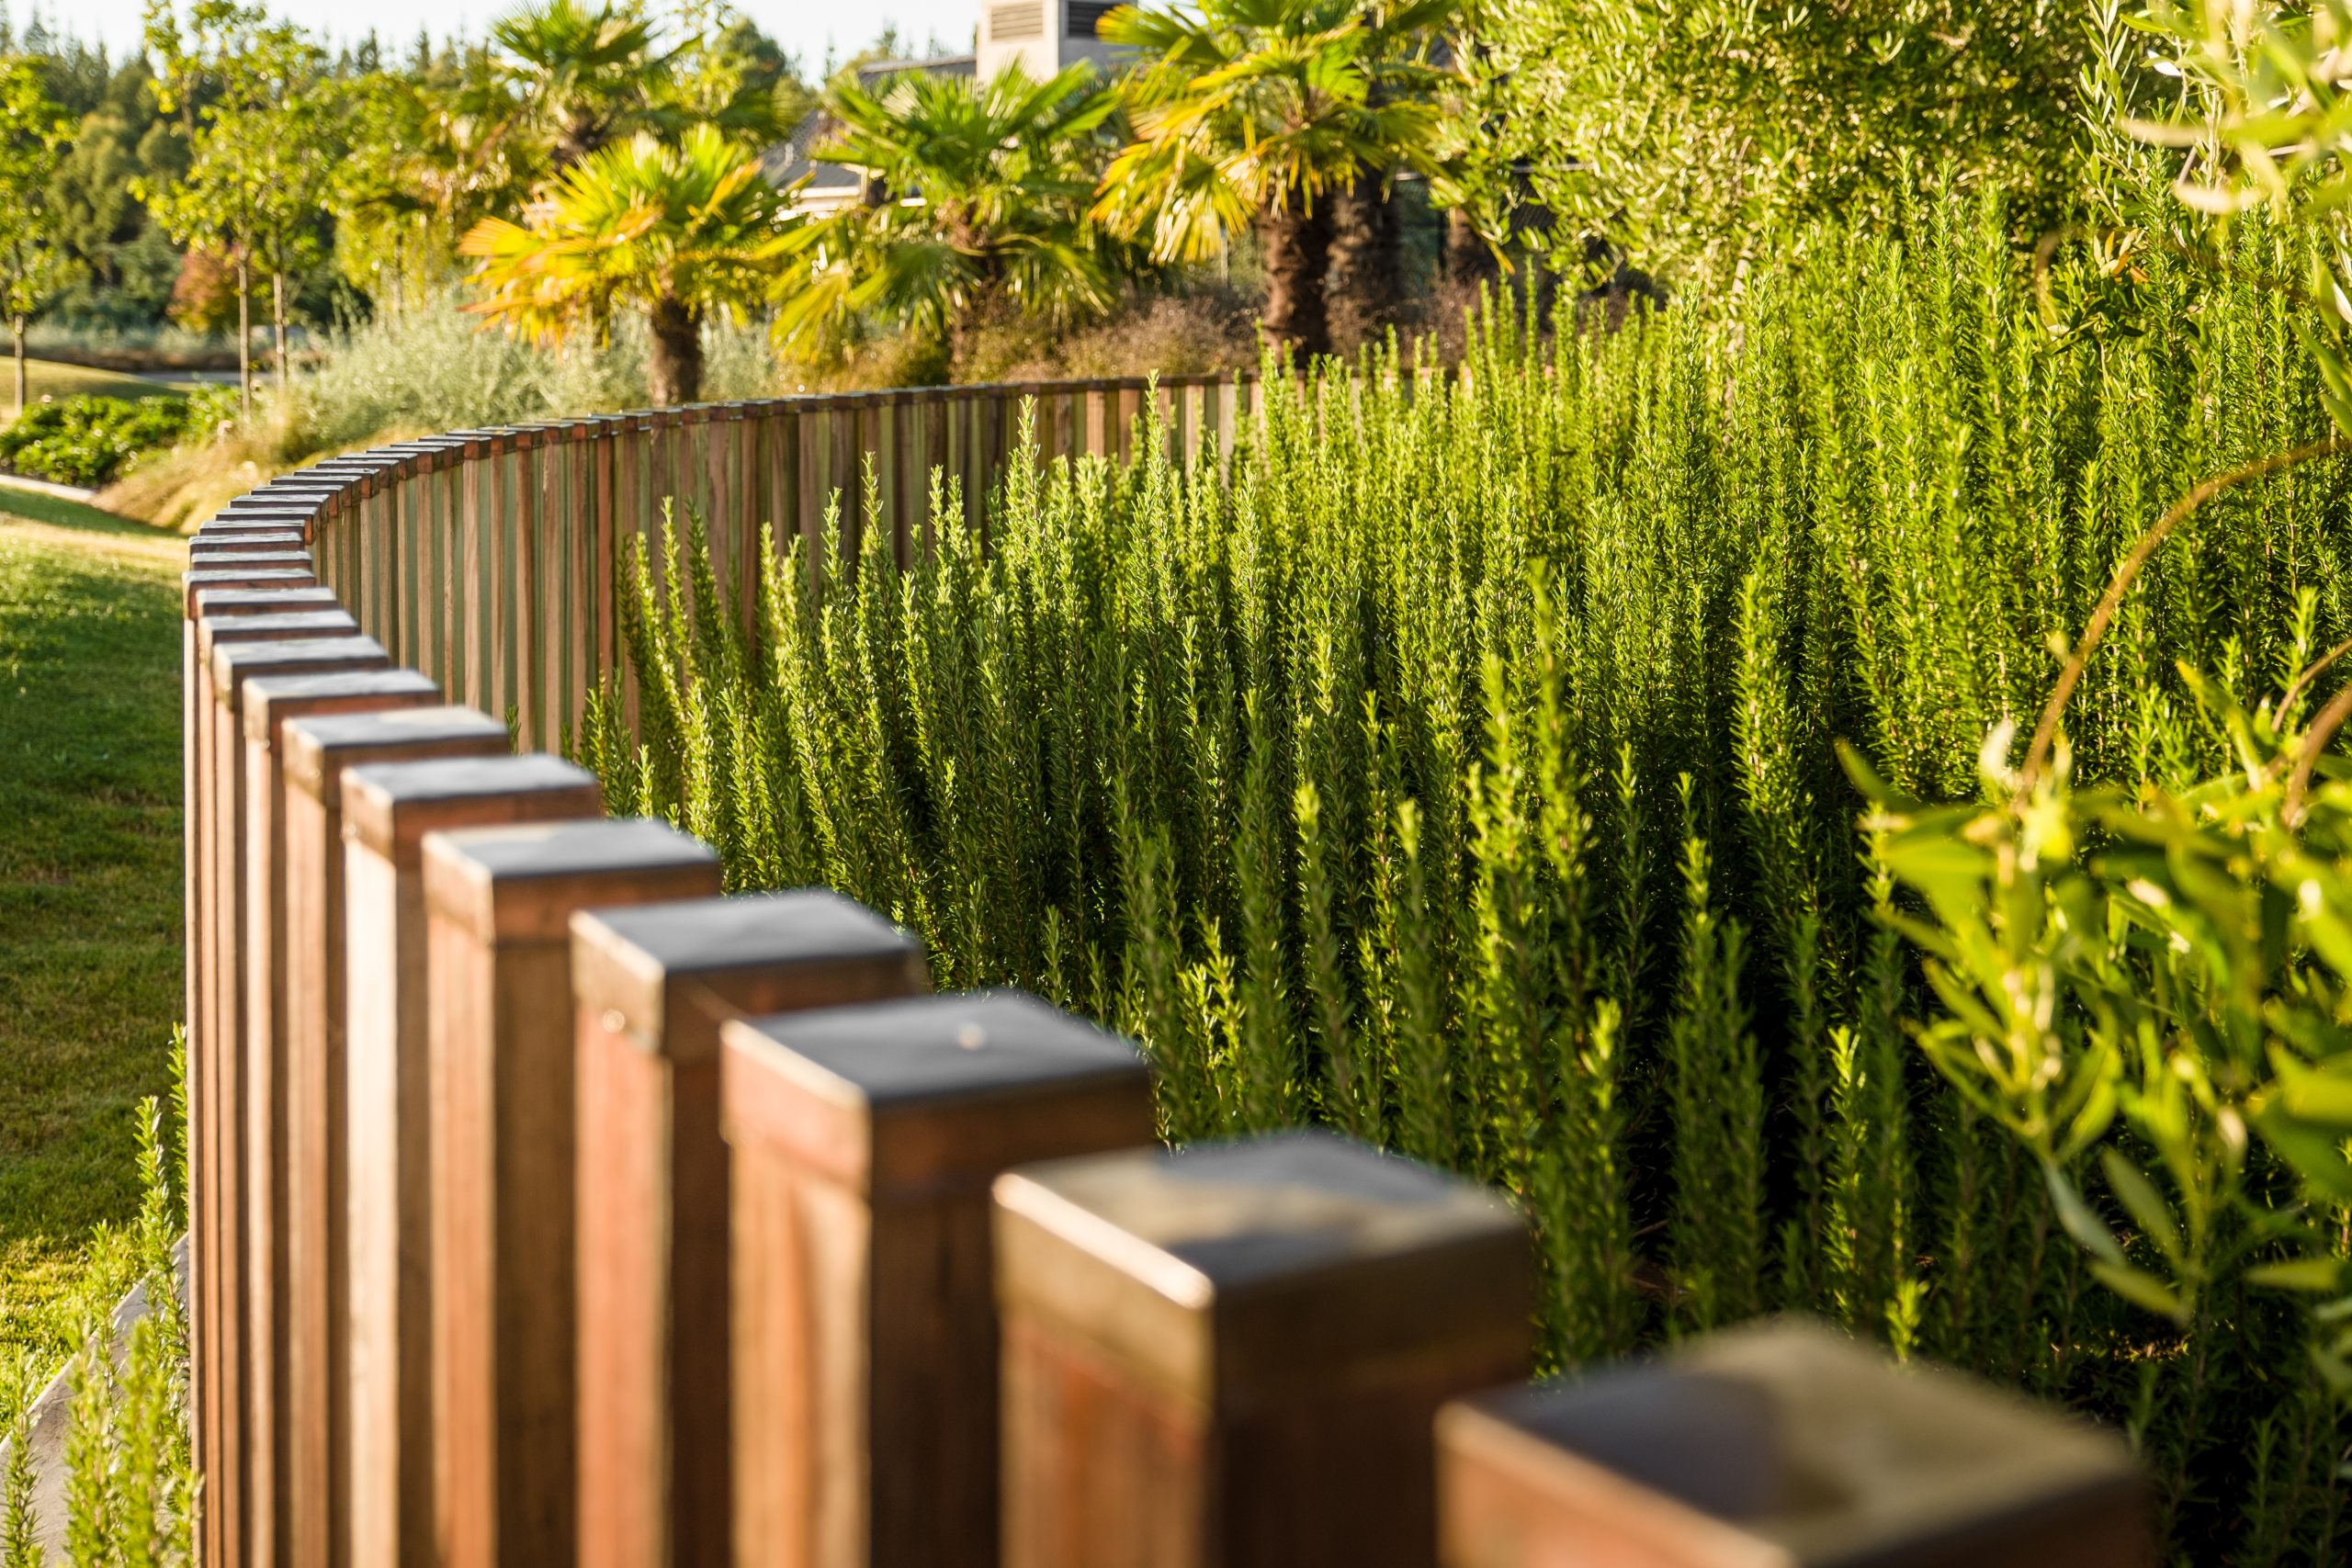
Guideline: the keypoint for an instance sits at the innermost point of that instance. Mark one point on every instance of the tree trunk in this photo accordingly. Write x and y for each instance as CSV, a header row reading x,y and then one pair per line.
x,y
16,326
244,338
1469,260
676,368
278,328
985,305
1359,286
1296,245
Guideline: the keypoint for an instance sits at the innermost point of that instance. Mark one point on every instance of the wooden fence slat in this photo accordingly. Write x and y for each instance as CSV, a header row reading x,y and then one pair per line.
x,y
651,985
316,747
288,1303
529,632
629,458
468,583
243,1487
865,1143
809,426
842,475
1784,1443
778,450
248,557
498,907
1233,1354
499,583
217,1405
602,450
236,543
210,601
397,786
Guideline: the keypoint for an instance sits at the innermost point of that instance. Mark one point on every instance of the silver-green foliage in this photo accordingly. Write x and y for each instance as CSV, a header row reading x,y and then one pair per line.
x,y
129,1486
432,366
1456,764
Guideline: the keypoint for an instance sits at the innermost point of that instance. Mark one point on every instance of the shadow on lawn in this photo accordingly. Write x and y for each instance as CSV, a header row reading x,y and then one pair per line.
x,y
57,512
89,883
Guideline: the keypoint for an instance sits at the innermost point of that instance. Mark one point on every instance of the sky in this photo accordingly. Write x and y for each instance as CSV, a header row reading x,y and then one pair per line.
x,y
805,28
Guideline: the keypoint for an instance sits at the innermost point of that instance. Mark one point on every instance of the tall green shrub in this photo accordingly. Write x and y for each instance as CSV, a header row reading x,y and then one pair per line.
x,y
1456,764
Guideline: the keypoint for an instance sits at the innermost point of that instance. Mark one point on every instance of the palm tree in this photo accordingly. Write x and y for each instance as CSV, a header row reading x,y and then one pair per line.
x,y
1248,113
975,200
679,232
587,76
430,156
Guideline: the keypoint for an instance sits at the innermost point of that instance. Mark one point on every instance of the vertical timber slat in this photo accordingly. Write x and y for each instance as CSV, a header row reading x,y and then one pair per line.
x,y
653,985
866,1140
396,783
1788,1444
290,1290
1233,1354
253,1459
498,907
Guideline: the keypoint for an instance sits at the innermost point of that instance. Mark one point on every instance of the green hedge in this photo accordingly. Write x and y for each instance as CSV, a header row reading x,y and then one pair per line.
x,y
90,440
1460,769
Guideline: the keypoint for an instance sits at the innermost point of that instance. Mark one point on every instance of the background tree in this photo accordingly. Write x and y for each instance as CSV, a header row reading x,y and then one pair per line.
x,y
1252,114
679,233
730,75
294,144
975,201
216,203
215,75
584,77
33,129
124,263
1705,135
1364,282
430,157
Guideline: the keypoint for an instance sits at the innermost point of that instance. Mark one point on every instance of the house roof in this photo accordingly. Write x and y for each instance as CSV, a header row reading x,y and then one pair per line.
x,y
789,160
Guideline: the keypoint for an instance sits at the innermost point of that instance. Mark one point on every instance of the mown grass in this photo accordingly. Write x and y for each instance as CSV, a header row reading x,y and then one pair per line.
x,y
53,379
90,935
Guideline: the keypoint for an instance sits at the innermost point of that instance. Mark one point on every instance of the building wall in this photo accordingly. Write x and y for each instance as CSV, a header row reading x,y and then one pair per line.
x,y
1041,36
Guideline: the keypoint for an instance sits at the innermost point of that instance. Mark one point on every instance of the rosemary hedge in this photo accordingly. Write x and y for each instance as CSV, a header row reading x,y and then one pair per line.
x,y
1459,767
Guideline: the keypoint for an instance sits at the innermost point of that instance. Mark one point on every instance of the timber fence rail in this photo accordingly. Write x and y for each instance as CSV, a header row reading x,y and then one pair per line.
x,y
488,559
549,1207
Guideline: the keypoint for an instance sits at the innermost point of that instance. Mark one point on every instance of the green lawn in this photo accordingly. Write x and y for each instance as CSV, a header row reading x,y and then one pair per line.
x,y
89,883
49,378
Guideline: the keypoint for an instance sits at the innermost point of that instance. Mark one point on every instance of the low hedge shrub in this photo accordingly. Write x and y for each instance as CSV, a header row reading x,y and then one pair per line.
x,y
90,440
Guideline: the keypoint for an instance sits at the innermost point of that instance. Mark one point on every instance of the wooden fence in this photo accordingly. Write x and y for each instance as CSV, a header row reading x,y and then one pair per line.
x,y
487,557
547,1207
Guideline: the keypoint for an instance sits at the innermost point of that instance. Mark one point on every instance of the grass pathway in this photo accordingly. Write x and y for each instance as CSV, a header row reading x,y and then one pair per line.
x,y
89,885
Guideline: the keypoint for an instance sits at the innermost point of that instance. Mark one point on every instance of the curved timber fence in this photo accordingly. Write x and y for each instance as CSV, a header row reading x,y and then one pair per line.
x,y
486,558
547,1207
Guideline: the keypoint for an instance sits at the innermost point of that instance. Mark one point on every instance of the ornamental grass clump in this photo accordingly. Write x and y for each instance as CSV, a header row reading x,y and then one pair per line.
x,y
1457,764
124,1494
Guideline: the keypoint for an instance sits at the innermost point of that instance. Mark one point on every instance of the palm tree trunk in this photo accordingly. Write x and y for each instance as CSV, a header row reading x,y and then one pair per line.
x,y
244,338
675,370
278,328
1467,259
1296,245
1359,286
984,306
17,329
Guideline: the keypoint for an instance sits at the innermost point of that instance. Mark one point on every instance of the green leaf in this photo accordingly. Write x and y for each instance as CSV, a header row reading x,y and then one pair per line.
x,y
2316,1095
2313,1274
2315,1155
2142,1201
2085,1226
2141,1289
